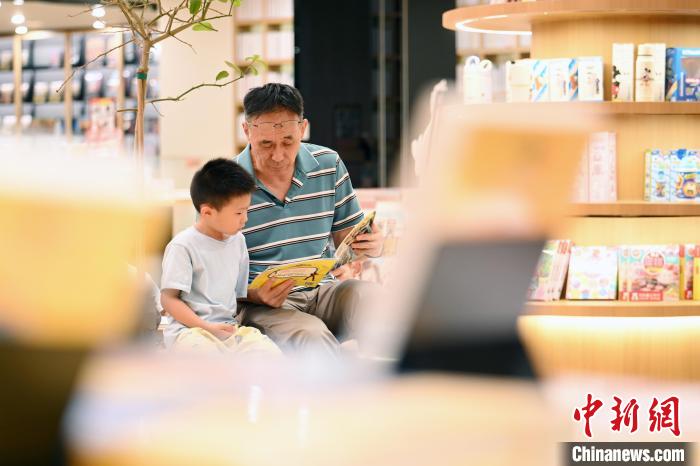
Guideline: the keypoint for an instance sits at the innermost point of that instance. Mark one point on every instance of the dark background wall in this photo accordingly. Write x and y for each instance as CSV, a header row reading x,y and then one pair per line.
x,y
337,71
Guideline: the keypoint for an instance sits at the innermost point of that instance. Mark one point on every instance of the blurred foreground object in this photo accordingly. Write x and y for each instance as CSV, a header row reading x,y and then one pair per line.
x,y
162,410
69,227
496,186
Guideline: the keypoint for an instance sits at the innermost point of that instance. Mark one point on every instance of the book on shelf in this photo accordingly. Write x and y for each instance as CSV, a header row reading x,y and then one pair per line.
x,y
650,273
548,281
592,273
690,255
596,180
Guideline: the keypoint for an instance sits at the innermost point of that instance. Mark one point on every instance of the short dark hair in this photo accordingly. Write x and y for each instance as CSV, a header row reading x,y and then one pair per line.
x,y
218,181
271,97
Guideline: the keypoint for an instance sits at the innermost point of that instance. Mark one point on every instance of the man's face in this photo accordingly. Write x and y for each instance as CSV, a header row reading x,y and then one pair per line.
x,y
274,139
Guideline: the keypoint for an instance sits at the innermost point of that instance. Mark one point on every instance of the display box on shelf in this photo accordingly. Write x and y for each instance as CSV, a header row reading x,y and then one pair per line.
x,y
563,79
650,273
519,78
657,184
650,73
590,78
685,165
622,89
602,168
682,74
690,253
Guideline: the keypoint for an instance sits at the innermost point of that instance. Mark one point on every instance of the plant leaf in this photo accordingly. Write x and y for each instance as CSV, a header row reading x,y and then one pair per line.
x,y
203,26
236,2
195,6
222,74
253,58
253,70
234,67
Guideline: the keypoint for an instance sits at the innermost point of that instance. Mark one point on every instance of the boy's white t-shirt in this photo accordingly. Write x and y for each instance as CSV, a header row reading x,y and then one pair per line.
x,y
210,274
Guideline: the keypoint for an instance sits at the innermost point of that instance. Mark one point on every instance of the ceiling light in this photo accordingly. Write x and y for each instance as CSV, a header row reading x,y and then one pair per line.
x,y
98,24
17,18
98,11
18,2
21,30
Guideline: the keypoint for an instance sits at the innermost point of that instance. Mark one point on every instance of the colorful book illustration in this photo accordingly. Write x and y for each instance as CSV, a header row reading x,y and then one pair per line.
x,y
650,273
592,273
307,274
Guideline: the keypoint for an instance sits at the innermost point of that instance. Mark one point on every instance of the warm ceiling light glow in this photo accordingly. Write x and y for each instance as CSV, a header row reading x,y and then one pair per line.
x,y
21,30
98,25
98,11
18,2
17,18
462,26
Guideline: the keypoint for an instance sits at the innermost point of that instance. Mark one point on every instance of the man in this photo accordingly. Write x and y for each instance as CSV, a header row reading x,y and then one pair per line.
x,y
304,199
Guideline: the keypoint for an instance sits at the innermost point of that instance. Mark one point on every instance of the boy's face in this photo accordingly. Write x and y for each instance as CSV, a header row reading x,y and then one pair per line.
x,y
230,218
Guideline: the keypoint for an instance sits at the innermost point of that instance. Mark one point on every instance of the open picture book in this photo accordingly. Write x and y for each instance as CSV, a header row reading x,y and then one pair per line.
x,y
309,273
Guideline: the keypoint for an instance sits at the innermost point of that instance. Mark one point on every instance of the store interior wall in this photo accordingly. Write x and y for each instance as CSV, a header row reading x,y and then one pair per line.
x,y
201,126
431,54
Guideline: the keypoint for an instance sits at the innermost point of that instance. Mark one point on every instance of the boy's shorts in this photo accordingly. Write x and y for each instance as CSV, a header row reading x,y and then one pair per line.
x,y
245,340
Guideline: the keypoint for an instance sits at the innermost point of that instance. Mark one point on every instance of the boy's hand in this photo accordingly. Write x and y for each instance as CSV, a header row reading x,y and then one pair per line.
x,y
221,330
269,295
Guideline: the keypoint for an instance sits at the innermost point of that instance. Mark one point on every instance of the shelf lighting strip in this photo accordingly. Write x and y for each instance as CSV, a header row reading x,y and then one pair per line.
x,y
463,26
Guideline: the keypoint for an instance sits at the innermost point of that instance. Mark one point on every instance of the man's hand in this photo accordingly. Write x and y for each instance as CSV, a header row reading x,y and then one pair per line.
x,y
221,330
369,244
348,271
269,295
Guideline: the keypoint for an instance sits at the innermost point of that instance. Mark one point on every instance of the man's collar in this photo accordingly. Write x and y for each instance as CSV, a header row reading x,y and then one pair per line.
x,y
245,160
305,161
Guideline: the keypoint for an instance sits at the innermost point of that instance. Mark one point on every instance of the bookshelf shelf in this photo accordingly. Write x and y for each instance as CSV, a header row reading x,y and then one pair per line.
x,y
635,209
519,16
493,51
614,308
615,108
245,23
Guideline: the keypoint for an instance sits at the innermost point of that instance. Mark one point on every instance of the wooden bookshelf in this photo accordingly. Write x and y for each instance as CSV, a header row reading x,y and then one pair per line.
x,y
564,336
635,209
482,52
264,22
264,25
614,308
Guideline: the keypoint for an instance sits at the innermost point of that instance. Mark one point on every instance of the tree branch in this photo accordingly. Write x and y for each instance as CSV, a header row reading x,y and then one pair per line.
x,y
181,96
186,43
123,44
137,26
179,29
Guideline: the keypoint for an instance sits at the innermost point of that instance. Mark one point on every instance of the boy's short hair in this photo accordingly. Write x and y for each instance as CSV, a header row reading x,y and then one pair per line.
x,y
271,97
218,181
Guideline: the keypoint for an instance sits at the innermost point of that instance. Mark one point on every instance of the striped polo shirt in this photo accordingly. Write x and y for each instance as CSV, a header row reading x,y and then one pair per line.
x,y
320,201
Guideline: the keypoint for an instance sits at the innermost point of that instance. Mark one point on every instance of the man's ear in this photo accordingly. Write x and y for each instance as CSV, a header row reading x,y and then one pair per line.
x,y
246,128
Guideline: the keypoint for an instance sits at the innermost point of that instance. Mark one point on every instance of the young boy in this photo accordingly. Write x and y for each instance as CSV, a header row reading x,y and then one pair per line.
x,y
205,267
